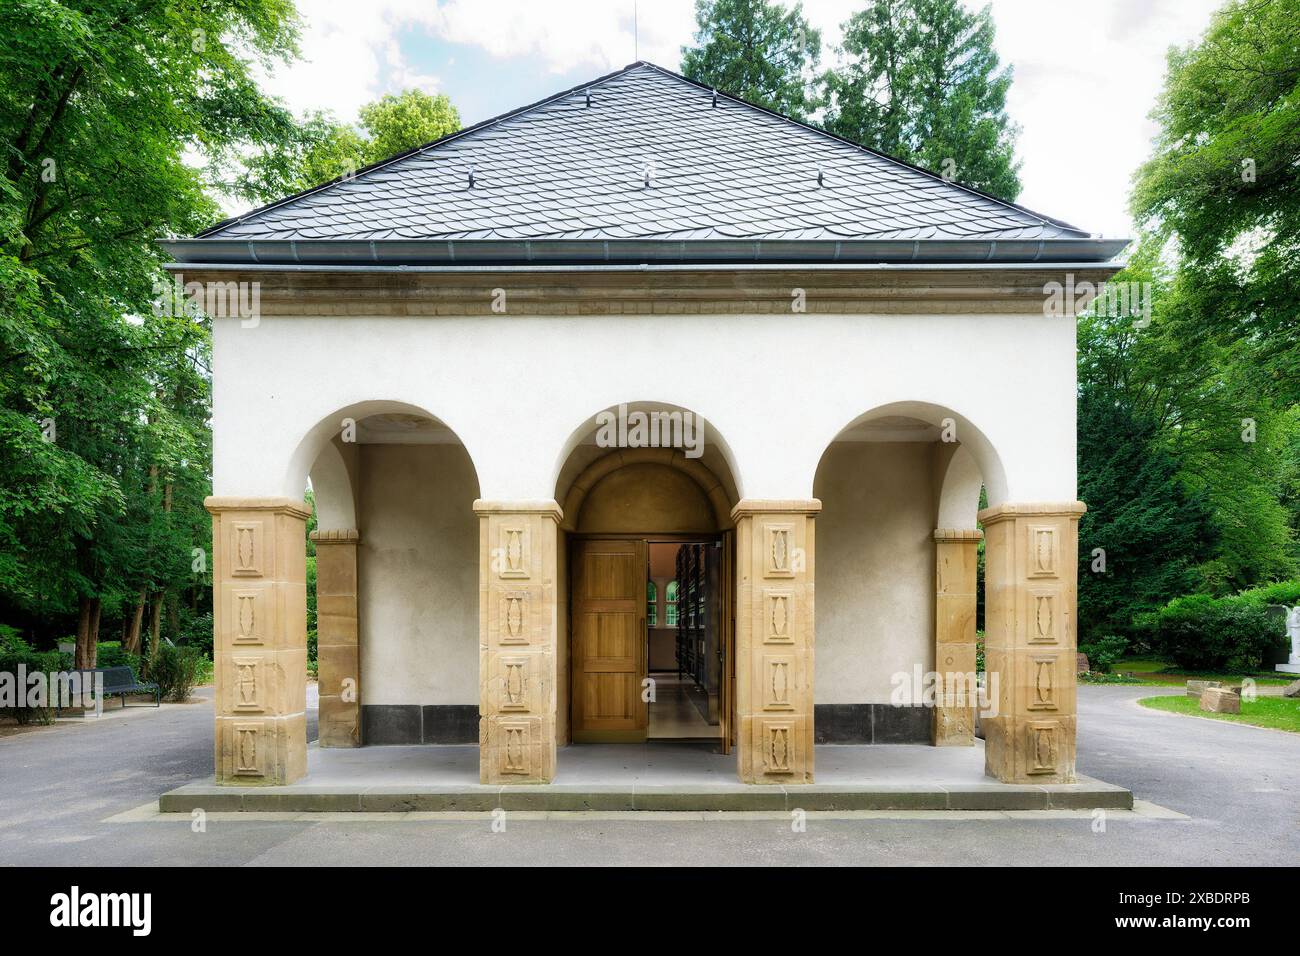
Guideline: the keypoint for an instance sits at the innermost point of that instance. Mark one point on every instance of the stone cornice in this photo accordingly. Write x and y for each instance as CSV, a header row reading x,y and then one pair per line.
x,y
336,536
767,506
1005,511
875,290
294,506
519,507
958,534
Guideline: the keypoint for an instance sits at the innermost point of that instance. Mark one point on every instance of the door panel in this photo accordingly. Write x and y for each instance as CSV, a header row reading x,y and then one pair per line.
x,y
609,641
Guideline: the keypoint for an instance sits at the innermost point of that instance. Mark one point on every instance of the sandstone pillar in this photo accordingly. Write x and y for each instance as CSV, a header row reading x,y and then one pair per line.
x,y
956,564
1031,574
774,640
338,655
517,640
260,639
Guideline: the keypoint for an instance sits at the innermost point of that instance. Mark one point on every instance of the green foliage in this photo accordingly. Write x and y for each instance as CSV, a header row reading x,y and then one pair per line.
x,y
1202,632
1223,182
326,149
196,632
922,81
399,123
110,654
105,453
1152,533
756,50
1285,593
1104,652
176,670
18,659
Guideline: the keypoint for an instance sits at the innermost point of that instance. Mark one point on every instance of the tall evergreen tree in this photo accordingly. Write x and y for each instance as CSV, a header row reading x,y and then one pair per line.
x,y
921,81
756,50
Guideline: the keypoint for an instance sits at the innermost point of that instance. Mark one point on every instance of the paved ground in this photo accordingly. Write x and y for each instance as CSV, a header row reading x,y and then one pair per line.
x,y
70,796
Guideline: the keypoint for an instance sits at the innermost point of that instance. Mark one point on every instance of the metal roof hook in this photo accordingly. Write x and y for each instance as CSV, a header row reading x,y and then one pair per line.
x,y
648,175
715,97
821,177
588,99
471,177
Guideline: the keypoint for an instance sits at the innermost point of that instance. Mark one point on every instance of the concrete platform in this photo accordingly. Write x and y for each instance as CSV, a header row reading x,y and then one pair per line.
x,y
654,776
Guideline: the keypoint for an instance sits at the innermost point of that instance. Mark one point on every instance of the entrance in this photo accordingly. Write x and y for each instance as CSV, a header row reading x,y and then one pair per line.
x,y
651,639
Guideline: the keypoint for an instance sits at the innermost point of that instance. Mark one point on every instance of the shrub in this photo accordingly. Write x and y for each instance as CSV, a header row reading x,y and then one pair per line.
x,y
196,632
176,670
110,654
1286,593
1104,652
14,651
1200,632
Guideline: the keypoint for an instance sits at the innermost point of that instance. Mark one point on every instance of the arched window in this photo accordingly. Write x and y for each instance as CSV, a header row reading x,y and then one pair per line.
x,y
670,601
651,604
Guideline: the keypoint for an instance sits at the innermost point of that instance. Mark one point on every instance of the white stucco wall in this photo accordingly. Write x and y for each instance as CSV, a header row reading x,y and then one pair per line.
x,y
777,388
875,568
418,575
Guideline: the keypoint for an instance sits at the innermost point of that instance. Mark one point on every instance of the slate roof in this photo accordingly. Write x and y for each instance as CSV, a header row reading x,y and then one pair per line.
x,y
569,173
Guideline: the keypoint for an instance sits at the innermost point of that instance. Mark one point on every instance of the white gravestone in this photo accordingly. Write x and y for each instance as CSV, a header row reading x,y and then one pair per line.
x,y
1293,632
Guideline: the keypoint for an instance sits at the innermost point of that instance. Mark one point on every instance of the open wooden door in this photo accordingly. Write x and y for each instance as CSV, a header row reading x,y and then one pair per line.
x,y
609,641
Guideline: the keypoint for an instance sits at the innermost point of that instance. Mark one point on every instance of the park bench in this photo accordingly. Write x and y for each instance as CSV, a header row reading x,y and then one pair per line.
x,y
118,682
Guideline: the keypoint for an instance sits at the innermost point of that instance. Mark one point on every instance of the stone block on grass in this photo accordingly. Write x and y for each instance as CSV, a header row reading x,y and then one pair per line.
x,y
1220,700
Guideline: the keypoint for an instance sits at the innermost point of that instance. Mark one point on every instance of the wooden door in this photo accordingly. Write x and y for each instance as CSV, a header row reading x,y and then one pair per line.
x,y
609,641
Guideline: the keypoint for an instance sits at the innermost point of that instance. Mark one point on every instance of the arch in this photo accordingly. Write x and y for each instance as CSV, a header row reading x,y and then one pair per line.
x,y
959,492
313,443
717,457
986,458
334,488
709,484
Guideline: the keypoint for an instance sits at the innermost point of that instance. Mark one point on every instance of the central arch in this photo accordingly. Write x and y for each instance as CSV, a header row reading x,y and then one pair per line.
x,y
646,554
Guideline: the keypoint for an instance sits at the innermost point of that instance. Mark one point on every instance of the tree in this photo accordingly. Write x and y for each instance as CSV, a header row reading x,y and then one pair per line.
x,y
755,50
399,123
1223,184
104,400
922,82
389,126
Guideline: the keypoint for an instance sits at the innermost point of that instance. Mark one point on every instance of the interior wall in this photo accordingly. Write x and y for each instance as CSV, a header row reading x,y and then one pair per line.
x,y
875,568
418,575
646,498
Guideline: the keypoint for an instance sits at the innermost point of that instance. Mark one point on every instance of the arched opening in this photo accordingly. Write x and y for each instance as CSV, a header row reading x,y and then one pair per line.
x,y
396,583
897,552
646,546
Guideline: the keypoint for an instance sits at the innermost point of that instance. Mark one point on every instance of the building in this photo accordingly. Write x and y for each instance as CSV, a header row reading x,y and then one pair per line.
x,y
476,354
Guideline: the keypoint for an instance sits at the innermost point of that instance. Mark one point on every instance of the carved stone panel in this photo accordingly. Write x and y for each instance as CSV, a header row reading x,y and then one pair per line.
x,y
1044,551
513,621
779,610
1043,746
779,550
514,551
247,544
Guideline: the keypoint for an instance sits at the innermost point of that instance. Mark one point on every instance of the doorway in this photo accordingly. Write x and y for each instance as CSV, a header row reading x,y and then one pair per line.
x,y
651,639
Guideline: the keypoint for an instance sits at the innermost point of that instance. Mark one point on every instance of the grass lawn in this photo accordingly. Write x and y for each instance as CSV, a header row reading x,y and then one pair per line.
x,y
1281,713
1151,671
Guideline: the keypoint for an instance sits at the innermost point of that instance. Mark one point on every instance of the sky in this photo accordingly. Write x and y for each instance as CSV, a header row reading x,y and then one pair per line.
x,y
1086,72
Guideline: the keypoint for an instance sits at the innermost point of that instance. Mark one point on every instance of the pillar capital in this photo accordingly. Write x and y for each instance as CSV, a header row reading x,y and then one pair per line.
x,y
1010,510
753,506
546,507
335,536
216,504
958,534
